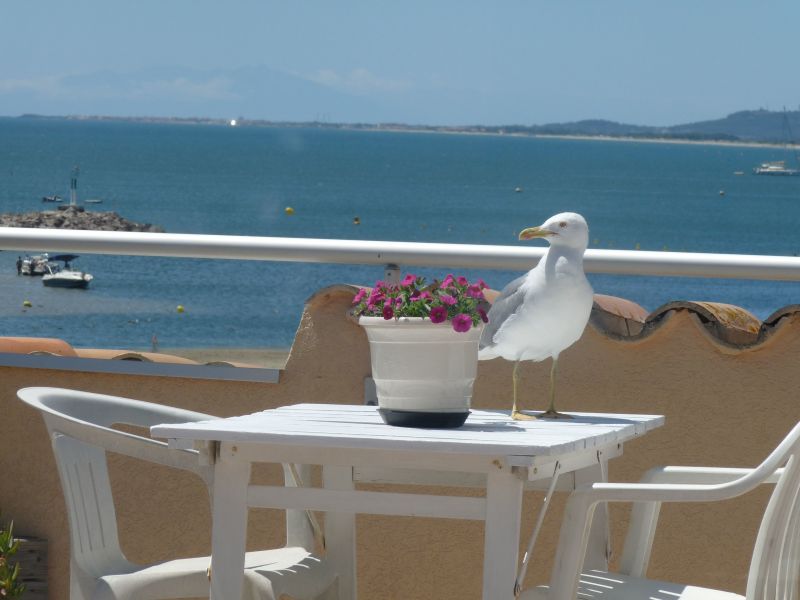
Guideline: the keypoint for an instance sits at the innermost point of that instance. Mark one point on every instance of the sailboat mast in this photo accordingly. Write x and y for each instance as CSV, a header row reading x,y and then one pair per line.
x,y
73,186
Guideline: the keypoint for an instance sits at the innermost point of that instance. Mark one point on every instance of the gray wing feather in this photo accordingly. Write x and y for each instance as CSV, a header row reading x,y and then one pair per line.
x,y
506,305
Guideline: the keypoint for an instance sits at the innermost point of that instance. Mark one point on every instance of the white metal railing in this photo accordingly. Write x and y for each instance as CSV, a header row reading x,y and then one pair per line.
x,y
392,254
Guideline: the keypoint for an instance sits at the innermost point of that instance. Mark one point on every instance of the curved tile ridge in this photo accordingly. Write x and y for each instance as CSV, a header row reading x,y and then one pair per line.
x,y
232,363
786,311
617,317
730,324
33,345
625,320
112,354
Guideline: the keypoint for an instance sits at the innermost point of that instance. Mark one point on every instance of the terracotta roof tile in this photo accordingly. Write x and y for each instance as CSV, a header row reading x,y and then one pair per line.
x,y
32,345
112,354
617,317
731,325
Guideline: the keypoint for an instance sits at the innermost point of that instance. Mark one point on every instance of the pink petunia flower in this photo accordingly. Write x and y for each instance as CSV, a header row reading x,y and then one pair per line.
x,y
462,323
474,291
462,280
447,299
482,284
359,296
448,281
388,313
409,280
483,315
438,314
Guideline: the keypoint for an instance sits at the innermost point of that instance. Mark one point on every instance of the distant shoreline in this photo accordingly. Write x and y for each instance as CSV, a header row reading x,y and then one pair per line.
x,y
609,138
593,138
494,130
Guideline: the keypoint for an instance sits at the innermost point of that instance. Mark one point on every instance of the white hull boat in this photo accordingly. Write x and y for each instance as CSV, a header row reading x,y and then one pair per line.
x,y
66,277
777,167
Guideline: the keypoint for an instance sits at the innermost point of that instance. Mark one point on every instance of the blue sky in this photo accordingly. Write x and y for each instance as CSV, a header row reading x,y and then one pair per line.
x,y
467,62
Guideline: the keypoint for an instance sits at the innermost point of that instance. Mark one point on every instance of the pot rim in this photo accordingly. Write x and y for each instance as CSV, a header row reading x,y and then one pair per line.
x,y
407,322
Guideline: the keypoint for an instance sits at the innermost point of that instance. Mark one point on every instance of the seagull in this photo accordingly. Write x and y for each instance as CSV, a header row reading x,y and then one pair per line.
x,y
544,312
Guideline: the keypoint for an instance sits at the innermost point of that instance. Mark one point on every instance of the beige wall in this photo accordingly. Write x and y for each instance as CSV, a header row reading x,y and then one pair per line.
x,y
724,407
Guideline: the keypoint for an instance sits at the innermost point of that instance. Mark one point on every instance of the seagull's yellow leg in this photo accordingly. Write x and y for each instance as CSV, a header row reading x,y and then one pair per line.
x,y
551,413
515,414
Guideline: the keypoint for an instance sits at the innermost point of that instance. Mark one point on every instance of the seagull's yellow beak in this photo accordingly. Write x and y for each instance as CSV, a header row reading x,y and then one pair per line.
x,y
535,232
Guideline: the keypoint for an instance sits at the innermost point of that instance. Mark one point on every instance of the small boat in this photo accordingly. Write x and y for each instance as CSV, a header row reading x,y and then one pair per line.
x,y
93,201
777,167
52,198
35,265
66,276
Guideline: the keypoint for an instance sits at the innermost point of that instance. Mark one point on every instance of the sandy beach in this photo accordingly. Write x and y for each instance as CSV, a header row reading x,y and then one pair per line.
x,y
596,138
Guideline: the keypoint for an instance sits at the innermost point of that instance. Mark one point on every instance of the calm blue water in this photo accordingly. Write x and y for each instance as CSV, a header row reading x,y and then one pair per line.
x,y
414,187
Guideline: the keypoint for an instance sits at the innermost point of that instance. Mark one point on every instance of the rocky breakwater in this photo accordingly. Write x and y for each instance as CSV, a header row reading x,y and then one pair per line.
x,y
75,217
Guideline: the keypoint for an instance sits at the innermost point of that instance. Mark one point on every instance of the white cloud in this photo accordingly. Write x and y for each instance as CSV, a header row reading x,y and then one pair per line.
x,y
359,81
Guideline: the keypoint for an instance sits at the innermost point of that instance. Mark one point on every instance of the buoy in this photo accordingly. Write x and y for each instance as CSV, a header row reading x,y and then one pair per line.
x,y
722,192
356,221
518,190
27,303
179,308
288,210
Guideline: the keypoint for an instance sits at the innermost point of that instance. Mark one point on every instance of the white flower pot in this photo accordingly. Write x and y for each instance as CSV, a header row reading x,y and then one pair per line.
x,y
423,371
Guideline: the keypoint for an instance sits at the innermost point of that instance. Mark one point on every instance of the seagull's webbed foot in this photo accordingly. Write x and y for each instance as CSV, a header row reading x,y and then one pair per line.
x,y
552,414
521,416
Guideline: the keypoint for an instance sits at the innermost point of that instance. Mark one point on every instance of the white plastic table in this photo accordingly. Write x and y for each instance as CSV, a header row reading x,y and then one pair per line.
x,y
351,442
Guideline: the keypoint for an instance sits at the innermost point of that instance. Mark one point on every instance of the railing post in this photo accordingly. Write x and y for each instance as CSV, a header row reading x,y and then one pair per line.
x,y
391,274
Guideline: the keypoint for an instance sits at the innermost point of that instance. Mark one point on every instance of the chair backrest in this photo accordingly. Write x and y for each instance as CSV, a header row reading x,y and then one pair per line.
x,y
79,425
80,428
775,566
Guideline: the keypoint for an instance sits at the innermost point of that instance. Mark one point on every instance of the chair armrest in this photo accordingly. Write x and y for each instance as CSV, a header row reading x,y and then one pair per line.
x,y
663,484
131,445
701,475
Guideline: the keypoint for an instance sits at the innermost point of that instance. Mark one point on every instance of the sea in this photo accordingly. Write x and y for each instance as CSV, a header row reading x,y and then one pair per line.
x,y
407,186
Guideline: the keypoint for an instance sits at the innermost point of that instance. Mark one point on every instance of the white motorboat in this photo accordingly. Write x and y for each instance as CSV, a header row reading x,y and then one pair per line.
x,y
65,277
777,167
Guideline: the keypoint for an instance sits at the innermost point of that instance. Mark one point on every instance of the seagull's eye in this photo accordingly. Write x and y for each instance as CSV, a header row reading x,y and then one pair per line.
x,y
562,224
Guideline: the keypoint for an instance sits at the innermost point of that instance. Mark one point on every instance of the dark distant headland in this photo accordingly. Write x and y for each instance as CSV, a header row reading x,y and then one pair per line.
x,y
748,126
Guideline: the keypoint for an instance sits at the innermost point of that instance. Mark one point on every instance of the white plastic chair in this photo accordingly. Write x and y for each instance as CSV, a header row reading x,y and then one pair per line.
x,y
775,562
79,424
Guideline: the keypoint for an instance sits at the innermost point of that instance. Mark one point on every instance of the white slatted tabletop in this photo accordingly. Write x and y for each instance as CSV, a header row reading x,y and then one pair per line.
x,y
360,427
503,452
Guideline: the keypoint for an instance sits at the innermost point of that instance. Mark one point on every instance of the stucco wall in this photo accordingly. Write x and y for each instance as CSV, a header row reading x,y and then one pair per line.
x,y
723,407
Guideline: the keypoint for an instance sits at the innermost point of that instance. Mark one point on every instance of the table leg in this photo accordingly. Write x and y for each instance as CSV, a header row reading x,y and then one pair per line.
x,y
501,535
228,528
597,548
340,533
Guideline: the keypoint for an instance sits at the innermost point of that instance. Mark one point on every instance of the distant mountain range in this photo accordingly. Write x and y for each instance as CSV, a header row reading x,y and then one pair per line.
x,y
762,126
359,98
